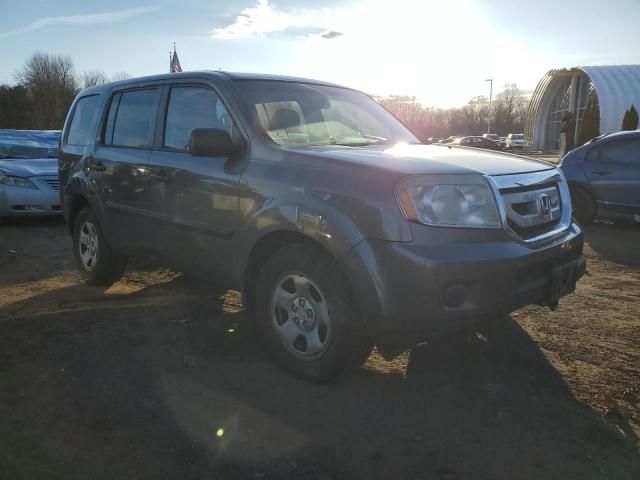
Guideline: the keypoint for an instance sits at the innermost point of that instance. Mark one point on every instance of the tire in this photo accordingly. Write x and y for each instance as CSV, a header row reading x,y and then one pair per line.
x,y
307,315
584,208
97,262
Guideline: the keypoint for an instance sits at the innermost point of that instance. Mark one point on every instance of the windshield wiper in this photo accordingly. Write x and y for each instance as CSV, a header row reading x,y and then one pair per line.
x,y
6,155
362,144
371,140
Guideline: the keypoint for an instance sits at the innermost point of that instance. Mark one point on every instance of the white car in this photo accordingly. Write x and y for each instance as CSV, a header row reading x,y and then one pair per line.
x,y
29,173
515,141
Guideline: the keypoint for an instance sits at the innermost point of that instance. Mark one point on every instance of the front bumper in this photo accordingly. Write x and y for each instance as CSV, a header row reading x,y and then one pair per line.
x,y
442,279
18,201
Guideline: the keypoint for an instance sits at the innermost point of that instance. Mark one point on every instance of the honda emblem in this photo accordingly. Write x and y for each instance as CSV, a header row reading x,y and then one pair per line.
x,y
544,205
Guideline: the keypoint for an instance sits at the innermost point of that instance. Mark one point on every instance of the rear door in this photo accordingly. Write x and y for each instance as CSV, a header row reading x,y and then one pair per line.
x,y
197,195
76,137
118,166
613,170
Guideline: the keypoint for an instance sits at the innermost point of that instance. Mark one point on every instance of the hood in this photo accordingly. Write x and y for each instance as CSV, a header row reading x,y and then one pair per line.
x,y
29,167
417,159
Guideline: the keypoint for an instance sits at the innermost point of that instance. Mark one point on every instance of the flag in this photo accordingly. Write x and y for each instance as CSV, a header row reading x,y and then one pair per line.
x,y
174,65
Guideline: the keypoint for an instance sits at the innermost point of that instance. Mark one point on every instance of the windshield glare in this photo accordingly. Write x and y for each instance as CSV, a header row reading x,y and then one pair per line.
x,y
28,144
306,115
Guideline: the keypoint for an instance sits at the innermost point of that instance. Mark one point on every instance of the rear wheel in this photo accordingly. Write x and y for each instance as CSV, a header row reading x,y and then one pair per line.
x,y
584,208
96,260
307,314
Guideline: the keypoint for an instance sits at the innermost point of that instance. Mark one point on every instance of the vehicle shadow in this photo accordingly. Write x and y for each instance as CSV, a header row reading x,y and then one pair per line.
x,y
171,382
33,248
615,242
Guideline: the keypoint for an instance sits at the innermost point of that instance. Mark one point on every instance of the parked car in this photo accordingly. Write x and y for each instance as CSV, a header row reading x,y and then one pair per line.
x,y
515,141
496,138
449,139
604,177
477,142
340,229
29,173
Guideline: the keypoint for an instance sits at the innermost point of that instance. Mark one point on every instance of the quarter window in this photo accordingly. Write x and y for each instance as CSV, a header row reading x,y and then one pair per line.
x,y
190,108
131,119
84,119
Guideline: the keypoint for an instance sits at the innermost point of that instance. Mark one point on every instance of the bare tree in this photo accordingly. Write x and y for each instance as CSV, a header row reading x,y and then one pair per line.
x,y
120,76
51,85
91,78
509,110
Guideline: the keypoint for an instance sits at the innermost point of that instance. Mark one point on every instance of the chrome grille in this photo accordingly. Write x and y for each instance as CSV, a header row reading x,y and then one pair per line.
x,y
51,182
531,212
534,206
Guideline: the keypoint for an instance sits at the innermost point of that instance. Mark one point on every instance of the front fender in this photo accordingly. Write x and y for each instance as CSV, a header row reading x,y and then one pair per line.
x,y
331,229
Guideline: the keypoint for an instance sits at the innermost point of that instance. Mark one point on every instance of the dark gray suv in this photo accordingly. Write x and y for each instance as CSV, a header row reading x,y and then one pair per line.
x,y
342,230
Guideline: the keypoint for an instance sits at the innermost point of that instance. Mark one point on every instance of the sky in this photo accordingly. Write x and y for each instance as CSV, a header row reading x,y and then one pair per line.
x,y
440,51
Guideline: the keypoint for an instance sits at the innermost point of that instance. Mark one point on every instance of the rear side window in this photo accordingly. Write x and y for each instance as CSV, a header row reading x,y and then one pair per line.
x,y
84,119
131,119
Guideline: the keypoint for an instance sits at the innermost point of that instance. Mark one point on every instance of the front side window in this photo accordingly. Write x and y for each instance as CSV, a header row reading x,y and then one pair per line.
x,y
300,114
193,107
625,152
131,119
84,119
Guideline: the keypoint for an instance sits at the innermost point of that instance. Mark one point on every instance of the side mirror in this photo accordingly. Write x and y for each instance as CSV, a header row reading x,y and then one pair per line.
x,y
211,142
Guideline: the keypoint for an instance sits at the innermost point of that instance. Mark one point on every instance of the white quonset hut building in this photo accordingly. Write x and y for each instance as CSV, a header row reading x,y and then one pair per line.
x,y
614,88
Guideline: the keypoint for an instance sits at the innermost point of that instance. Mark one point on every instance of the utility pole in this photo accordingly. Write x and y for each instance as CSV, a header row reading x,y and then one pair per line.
x,y
490,80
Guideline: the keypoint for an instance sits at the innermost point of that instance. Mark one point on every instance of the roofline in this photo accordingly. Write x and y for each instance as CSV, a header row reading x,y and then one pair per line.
x,y
208,73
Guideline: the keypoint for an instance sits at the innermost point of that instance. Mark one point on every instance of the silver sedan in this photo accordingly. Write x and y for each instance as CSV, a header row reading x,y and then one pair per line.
x,y
29,173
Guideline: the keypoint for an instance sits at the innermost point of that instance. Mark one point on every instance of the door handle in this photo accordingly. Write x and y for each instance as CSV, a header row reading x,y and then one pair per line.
x,y
97,166
601,172
160,176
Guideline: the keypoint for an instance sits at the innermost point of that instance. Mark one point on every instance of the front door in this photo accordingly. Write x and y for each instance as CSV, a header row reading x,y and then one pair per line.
x,y
198,196
613,169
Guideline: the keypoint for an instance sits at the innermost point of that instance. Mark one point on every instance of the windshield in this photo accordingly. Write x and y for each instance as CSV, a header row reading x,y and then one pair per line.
x,y
15,144
306,115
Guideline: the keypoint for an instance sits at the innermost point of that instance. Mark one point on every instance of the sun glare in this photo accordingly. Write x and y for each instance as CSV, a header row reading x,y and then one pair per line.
x,y
419,48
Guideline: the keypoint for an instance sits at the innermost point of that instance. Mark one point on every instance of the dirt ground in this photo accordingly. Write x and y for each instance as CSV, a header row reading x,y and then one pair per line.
x,y
161,376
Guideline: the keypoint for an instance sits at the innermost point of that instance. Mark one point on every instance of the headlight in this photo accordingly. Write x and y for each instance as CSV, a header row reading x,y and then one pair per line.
x,y
448,201
16,181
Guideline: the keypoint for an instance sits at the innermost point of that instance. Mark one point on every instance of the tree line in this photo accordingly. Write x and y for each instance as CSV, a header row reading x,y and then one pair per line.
x,y
43,91
508,112
46,85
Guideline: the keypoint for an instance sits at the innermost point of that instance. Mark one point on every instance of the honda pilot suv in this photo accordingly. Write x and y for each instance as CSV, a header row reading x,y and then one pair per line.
x,y
340,228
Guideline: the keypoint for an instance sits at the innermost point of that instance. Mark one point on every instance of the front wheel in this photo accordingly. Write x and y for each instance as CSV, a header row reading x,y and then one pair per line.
x,y
307,314
97,262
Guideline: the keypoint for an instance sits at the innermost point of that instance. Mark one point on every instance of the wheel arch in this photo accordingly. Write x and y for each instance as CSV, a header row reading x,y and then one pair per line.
x,y
77,202
266,246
